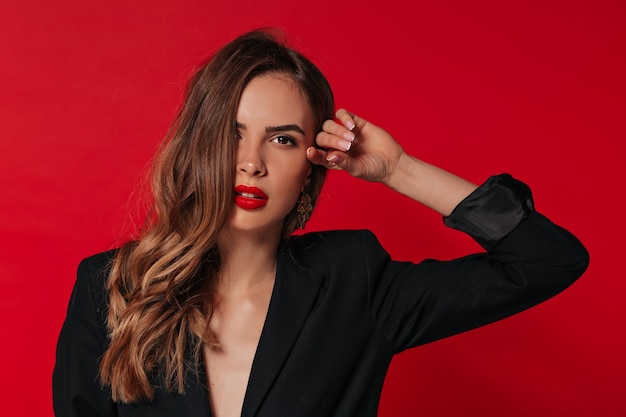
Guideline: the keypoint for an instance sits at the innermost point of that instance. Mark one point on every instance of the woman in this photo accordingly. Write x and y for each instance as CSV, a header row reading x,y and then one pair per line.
x,y
216,310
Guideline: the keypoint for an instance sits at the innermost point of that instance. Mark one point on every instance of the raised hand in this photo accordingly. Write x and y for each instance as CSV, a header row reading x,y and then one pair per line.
x,y
357,146
366,151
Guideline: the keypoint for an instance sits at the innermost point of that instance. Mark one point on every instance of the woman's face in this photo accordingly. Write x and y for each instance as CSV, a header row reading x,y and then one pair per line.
x,y
275,128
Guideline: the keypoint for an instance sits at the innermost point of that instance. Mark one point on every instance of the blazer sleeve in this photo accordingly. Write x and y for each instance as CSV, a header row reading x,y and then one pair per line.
x,y
528,259
82,341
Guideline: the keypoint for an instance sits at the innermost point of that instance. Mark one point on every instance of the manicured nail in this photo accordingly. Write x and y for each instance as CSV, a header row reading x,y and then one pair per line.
x,y
349,136
344,144
350,125
334,159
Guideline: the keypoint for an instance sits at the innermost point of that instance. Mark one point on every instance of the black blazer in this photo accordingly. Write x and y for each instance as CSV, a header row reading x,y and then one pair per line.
x,y
340,309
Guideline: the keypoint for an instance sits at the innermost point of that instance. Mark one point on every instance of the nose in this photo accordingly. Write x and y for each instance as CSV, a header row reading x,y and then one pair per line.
x,y
250,160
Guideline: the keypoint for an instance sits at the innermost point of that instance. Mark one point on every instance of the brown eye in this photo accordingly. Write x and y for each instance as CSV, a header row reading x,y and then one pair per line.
x,y
284,140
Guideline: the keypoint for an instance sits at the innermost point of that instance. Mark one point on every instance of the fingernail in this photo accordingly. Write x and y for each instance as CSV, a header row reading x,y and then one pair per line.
x,y
350,125
344,144
334,159
349,136
309,150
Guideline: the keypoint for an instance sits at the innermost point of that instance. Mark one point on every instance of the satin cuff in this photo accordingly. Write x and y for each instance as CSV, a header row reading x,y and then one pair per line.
x,y
493,210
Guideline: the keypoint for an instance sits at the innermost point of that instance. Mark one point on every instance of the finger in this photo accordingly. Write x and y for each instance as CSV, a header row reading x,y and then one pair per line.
x,y
329,141
339,160
350,119
346,118
321,157
316,156
334,128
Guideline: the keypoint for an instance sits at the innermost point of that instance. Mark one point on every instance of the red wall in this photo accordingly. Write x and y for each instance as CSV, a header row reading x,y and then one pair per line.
x,y
534,88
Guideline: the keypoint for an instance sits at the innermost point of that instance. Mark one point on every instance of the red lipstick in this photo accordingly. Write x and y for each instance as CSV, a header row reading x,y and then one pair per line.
x,y
250,198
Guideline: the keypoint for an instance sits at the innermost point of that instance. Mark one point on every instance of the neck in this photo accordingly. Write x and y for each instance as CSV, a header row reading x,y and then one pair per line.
x,y
248,260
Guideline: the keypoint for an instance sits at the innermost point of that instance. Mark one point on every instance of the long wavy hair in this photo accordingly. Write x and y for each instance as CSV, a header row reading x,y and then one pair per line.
x,y
161,286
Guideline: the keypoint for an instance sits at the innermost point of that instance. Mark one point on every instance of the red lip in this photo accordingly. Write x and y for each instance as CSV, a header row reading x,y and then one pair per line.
x,y
250,198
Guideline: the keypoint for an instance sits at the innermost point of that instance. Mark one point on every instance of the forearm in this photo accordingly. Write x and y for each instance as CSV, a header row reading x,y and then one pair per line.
x,y
432,186
374,155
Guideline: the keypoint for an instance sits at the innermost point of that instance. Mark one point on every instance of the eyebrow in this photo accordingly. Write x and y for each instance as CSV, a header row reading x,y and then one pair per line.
x,y
281,128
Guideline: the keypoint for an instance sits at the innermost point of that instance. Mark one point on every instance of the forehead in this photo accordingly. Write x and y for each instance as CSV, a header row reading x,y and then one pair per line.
x,y
273,100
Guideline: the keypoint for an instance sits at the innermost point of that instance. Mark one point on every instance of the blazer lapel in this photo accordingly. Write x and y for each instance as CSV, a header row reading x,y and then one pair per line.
x,y
295,291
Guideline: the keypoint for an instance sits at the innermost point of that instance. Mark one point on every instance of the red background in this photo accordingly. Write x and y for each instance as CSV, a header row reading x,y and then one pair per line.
x,y
534,88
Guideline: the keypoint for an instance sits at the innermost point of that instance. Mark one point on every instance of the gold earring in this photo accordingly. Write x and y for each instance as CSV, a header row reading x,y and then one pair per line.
x,y
305,208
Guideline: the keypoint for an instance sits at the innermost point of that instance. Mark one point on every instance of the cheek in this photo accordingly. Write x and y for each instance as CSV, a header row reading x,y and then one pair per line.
x,y
305,174
296,168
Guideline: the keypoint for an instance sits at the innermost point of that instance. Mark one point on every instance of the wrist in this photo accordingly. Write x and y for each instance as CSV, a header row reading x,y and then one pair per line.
x,y
400,171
